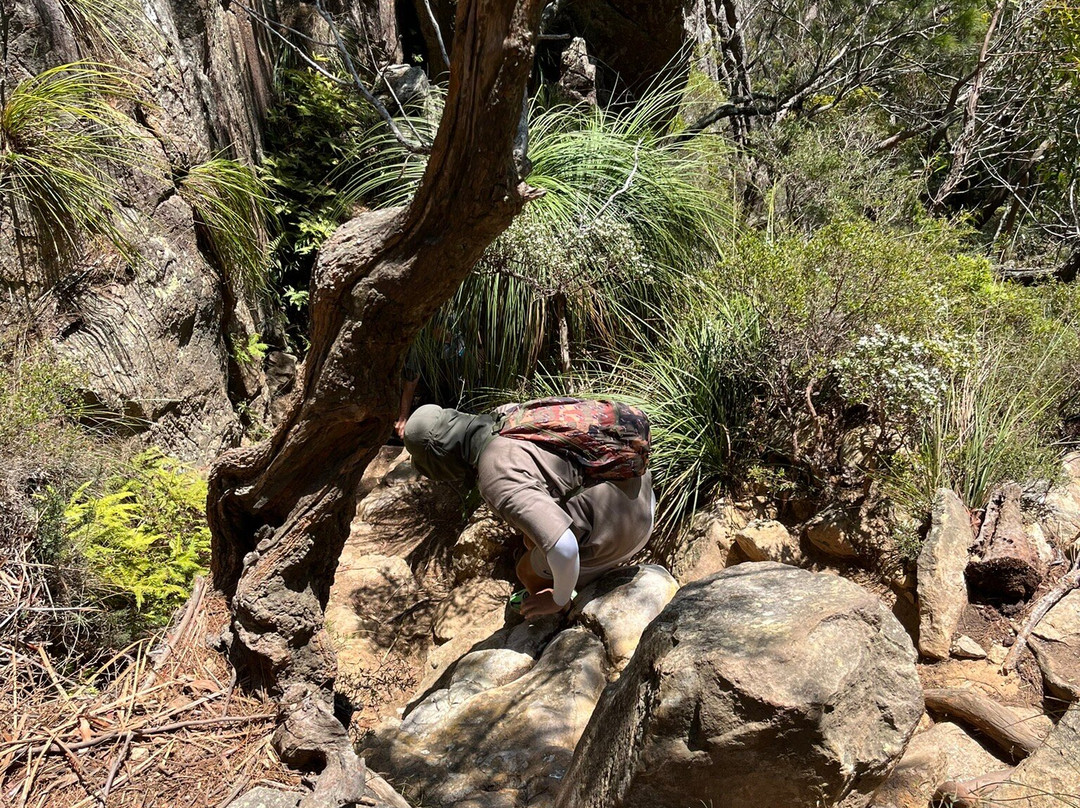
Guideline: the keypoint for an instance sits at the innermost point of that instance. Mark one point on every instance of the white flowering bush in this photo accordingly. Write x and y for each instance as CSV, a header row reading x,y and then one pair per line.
x,y
895,376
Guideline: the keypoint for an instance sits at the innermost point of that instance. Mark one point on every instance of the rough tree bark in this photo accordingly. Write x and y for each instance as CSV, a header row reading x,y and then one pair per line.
x,y
279,512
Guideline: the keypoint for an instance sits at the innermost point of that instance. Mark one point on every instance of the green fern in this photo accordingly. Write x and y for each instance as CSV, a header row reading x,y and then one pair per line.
x,y
60,138
233,204
145,536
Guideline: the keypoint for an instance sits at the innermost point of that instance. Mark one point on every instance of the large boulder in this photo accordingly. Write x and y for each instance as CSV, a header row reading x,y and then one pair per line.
x,y
942,588
498,726
761,685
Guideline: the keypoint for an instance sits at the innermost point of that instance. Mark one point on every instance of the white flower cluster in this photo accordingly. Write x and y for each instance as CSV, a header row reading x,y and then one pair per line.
x,y
894,375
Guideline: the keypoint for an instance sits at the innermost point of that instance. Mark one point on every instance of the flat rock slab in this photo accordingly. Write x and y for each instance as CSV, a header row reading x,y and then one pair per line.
x,y
1056,642
263,797
504,725
762,685
942,588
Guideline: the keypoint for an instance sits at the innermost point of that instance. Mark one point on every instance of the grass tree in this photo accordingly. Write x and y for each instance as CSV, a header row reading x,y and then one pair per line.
x,y
622,223
62,137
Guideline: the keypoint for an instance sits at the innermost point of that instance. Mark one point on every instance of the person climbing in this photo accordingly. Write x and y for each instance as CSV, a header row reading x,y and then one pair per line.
x,y
576,524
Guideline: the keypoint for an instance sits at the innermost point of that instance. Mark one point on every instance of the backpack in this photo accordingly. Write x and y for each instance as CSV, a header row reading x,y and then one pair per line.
x,y
607,439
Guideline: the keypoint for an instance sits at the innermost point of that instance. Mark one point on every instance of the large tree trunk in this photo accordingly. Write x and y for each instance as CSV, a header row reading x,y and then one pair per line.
x,y
280,512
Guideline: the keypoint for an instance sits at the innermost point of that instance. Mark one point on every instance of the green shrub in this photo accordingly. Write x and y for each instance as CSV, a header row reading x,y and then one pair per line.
x,y
144,537
40,403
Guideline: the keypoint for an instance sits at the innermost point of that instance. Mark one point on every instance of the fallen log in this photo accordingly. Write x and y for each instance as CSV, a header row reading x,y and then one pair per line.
x,y
1008,568
1013,735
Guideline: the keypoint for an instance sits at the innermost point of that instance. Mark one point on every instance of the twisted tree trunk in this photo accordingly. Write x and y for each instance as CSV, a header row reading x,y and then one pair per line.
x,y
279,512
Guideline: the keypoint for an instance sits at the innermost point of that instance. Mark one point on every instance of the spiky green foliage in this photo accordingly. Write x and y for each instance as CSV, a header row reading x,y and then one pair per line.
x,y
144,537
622,221
233,204
61,136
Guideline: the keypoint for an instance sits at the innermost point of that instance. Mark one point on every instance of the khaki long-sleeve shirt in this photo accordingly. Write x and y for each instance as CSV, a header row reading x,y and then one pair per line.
x,y
531,489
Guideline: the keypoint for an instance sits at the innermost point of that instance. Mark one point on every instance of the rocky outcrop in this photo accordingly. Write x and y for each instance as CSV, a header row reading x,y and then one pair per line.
x,y
769,540
942,589
1056,642
151,335
761,685
392,575
499,725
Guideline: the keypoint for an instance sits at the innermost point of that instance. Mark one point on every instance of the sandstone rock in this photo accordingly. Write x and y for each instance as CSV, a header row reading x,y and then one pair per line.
x,y
515,737
1056,642
769,540
832,532
943,752
711,536
997,653
620,605
941,587
1049,778
964,647
476,608
1060,508
761,685
481,544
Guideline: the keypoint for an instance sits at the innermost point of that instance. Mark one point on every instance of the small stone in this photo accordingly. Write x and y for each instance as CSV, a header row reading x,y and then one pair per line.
x,y
997,653
964,647
263,797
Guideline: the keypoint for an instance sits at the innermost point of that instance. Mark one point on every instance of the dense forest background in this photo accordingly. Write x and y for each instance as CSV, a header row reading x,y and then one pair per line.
x,y
830,247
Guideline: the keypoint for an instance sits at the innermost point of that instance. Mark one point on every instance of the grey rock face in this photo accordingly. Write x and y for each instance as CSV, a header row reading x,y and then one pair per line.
x,y
942,588
761,685
151,336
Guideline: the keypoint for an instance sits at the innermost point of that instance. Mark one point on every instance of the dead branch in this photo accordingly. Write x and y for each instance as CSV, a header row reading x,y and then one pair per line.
x,y
970,793
1069,581
1013,735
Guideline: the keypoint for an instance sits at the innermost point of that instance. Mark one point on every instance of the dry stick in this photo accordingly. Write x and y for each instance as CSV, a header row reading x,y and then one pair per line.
x,y
174,639
1011,734
1069,581
970,793
52,748
116,767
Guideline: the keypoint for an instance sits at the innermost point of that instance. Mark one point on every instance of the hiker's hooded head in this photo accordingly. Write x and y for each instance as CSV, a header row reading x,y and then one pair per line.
x,y
446,444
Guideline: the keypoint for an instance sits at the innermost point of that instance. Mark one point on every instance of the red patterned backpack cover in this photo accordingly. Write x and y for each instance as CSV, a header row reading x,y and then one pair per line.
x,y
609,440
